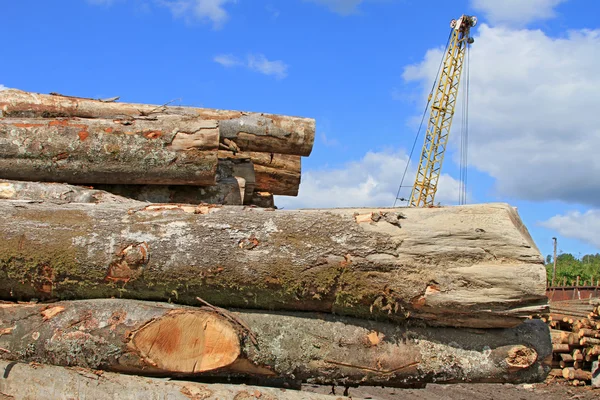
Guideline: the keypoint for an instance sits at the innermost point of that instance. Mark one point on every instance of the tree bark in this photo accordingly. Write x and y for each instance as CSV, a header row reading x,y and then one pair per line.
x,y
168,150
275,173
471,266
45,382
248,131
166,340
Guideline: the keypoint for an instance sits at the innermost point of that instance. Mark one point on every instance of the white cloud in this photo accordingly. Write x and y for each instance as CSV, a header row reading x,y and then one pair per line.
x,y
204,10
343,7
369,182
516,12
2,87
255,62
532,121
227,60
577,225
259,63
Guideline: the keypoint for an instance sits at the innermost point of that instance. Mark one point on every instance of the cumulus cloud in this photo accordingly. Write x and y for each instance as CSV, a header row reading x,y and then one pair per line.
x,y
260,63
516,12
532,125
255,62
227,60
343,7
204,10
2,87
577,225
369,182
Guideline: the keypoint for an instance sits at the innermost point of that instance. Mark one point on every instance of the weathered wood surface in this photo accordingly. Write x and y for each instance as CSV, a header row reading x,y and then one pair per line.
x,y
168,150
234,186
471,266
248,131
275,173
263,199
55,192
167,340
227,191
45,382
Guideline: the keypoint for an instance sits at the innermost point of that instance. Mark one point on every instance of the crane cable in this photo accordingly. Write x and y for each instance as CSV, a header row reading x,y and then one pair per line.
x,y
464,137
421,124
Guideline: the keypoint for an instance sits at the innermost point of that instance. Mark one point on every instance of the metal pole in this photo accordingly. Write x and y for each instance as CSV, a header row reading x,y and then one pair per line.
x,y
554,261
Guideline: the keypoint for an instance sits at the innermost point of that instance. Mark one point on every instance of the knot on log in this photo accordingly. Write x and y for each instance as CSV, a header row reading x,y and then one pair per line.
x,y
129,263
248,244
521,357
392,218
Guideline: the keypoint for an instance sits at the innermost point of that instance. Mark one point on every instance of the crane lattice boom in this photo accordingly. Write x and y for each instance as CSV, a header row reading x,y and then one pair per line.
x,y
442,110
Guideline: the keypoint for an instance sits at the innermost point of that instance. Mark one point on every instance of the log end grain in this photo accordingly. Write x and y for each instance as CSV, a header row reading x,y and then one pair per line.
x,y
187,342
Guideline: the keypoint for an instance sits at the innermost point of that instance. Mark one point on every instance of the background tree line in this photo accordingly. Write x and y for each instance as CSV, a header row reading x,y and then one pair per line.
x,y
570,267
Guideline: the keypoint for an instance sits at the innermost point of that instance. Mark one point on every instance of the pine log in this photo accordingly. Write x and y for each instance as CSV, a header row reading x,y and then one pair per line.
x,y
162,339
275,173
571,373
242,131
46,382
450,266
560,348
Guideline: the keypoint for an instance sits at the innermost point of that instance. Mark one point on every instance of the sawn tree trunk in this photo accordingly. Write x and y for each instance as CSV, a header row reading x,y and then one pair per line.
x,y
167,340
472,266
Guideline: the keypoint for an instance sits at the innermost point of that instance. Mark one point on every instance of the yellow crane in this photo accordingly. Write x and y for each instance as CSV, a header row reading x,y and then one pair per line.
x,y
444,97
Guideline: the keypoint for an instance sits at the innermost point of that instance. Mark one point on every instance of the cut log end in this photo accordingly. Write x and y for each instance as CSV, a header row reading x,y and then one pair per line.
x,y
188,342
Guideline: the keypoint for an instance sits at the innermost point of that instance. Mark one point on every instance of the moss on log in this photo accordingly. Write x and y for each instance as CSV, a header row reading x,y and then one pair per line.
x,y
470,266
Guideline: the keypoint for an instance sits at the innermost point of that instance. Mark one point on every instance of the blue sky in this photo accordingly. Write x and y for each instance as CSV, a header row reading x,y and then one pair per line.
x,y
362,69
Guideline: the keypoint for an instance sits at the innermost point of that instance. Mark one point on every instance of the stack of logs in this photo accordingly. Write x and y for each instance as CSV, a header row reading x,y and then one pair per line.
x,y
100,289
153,153
575,329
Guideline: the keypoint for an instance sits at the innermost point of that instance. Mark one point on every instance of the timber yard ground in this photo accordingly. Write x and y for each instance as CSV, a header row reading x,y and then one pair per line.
x,y
539,391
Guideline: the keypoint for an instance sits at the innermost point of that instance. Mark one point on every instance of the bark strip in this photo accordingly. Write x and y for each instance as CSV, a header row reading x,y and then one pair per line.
x,y
470,266
167,340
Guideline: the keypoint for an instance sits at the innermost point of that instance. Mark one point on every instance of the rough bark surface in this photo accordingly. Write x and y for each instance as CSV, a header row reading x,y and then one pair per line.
x,y
167,150
247,131
163,339
45,382
471,266
275,173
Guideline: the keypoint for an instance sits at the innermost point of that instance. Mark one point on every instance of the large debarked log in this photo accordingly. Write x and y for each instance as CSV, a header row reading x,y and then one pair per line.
x,y
166,340
460,266
248,131
46,382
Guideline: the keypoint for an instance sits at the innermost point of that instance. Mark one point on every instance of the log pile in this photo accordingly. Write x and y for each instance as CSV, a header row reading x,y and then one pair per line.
x,y
575,330
126,250
153,153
